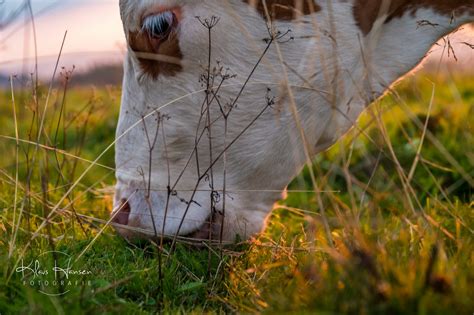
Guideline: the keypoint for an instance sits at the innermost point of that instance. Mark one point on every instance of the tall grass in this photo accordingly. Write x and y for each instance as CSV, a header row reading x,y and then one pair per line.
x,y
397,198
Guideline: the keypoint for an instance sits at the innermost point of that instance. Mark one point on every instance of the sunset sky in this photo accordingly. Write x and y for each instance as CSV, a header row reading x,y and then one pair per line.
x,y
94,36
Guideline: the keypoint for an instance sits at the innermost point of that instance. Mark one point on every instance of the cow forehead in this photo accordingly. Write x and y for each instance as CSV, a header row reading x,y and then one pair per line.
x,y
285,10
167,59
365,11
365,14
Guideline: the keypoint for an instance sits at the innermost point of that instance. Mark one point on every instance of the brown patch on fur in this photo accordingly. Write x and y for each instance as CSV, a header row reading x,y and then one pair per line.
x,y
285,10
367,11
156,59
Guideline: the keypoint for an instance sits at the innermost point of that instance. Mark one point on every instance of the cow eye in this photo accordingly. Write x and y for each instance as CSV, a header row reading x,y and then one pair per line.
x,y
159,26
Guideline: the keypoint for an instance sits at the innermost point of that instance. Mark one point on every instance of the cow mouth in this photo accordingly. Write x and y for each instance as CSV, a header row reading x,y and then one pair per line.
x,y
210,230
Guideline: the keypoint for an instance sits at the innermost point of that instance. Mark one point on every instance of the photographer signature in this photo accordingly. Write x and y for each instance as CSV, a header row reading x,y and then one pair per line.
x,y
35,268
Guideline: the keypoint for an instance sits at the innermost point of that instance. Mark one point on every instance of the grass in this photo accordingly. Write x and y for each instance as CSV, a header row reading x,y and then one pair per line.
x,y
398,201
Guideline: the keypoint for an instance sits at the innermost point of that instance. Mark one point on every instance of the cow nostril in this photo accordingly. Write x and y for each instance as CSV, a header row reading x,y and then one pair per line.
x,y
123,213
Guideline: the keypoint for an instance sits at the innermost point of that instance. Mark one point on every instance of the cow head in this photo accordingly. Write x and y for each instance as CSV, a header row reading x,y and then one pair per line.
x,y
225,101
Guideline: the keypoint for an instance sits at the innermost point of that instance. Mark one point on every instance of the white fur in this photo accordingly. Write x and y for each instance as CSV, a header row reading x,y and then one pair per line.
x,y
344,72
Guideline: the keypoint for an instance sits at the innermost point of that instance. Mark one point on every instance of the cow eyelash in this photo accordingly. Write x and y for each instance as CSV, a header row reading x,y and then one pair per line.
x,y
160,25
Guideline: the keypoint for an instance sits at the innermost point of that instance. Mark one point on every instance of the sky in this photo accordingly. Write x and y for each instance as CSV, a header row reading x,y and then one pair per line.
x,y
94,36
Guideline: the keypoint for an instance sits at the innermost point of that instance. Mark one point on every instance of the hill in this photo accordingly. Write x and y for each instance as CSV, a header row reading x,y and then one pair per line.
x,y
99,75
4,82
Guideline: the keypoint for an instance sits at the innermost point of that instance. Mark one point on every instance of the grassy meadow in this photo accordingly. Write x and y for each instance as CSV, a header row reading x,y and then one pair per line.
x,y
397,195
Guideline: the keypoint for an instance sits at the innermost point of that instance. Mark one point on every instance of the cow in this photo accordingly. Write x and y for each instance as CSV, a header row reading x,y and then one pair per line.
x,y
225,101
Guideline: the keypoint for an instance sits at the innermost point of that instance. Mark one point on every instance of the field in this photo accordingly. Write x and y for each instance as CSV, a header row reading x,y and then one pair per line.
x,y
397,193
